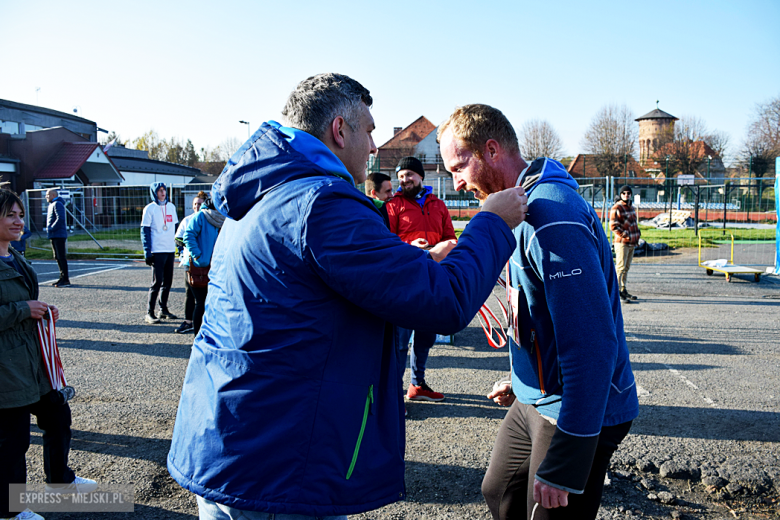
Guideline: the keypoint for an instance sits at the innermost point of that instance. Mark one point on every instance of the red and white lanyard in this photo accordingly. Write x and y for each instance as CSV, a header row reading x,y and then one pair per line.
x,y
485,316
50,353
164,210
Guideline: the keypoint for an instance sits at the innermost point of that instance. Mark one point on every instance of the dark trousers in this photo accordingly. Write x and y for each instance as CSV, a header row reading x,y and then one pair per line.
x,y
58,248
521,445
54,419
162,280
200,307
423,341
189,300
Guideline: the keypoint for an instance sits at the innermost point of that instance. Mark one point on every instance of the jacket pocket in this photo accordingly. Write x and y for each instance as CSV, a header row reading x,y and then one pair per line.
x,y
369,401
539,366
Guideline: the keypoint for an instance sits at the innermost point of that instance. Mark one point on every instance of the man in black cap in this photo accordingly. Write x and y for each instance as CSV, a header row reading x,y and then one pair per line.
x,y
421,219
623,223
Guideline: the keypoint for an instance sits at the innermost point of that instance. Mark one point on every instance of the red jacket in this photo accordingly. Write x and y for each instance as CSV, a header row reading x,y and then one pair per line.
x,y
410,221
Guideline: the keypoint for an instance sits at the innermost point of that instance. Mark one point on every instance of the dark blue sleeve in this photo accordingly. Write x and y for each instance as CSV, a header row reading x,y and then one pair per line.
x,y
352,250
146,240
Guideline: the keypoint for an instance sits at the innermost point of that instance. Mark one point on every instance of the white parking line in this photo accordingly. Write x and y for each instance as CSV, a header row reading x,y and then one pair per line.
x,y
69,271
82,275
676,374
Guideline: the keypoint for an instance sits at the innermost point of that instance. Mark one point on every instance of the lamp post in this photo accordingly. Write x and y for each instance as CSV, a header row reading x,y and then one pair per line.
x,y
247,127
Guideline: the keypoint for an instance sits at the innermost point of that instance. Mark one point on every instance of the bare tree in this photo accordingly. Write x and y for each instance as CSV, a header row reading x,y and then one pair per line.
x,y
682,146
766,124
719,141
228,147
611,138
762,144
538,138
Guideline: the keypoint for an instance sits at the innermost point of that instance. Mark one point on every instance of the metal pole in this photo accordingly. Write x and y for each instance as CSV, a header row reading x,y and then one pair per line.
x,y
725,196
669,192
696,212
749,198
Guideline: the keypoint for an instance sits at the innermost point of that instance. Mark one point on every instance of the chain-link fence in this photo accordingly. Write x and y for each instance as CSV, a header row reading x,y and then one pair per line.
x,y
674,214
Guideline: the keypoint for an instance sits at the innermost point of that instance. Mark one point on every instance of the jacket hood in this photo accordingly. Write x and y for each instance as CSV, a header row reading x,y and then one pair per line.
x,y
420,198
153,187
543,170
275,154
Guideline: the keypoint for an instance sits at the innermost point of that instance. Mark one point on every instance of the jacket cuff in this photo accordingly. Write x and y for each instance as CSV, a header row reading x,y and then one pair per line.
x,y
568,461
24,310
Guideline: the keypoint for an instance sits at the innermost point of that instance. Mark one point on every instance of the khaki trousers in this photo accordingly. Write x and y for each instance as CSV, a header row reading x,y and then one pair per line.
x,y
623,255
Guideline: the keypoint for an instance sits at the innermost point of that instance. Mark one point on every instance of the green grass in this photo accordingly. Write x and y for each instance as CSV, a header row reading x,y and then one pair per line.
x,y
85,254
687,238
119,234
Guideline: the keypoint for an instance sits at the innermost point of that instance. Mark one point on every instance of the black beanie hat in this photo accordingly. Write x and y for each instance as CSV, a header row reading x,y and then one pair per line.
x,y
410,163
626,188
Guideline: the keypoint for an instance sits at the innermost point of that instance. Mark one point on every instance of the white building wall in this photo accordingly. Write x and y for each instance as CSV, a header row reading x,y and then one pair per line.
x,y
139,179
428,147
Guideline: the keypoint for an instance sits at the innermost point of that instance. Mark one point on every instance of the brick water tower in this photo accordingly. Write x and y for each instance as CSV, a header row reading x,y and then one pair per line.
x,y
652,127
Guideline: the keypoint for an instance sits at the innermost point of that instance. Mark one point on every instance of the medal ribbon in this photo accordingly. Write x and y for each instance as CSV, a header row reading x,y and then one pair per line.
x,y
47,338
485,316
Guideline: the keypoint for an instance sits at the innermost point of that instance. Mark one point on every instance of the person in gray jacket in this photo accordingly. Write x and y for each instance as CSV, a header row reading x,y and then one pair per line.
x,y
57,231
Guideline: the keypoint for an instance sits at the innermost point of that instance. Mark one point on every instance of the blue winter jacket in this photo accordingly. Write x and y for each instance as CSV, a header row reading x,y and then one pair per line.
x,y
572,360
56,225
291,401
199,239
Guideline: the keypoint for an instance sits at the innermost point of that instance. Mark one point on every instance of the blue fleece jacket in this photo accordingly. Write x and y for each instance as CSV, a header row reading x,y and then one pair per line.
x,y
570,359
291,401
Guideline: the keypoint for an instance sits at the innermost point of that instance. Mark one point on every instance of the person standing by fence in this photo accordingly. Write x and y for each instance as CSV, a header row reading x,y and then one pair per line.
x,y
184,260
57,231
623,223
199,238
158,228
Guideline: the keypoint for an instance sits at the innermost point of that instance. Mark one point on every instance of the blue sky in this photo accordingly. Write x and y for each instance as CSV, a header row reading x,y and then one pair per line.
x,y
194,69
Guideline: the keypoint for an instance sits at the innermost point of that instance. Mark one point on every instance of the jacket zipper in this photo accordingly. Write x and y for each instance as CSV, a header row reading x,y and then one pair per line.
x,y
369,400
538,361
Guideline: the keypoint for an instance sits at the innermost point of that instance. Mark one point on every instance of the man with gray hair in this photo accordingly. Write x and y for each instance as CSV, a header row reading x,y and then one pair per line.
x,y
57,231
291,404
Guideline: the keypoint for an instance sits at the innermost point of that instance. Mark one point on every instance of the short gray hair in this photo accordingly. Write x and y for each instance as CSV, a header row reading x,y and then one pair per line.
x,y
318,100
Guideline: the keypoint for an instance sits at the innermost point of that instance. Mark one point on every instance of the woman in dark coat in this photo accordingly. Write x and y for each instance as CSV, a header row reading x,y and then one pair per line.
x,y
24,386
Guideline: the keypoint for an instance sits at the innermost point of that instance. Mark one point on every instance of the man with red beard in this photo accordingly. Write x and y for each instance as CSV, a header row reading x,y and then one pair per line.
x,y
572,394
421,219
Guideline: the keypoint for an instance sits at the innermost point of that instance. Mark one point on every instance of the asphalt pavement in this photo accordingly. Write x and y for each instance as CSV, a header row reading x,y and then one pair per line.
x,y
706,355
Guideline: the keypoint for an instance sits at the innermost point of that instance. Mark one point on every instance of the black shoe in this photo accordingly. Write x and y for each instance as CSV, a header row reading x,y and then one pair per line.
x,y
165,313
630,296
184,328
151,318
61,283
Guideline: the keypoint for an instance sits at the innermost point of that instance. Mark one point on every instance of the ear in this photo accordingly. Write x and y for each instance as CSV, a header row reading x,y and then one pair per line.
x,y
492,151
337,128
373,194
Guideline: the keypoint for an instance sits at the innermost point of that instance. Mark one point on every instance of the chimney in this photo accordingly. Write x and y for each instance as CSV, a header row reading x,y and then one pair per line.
x,y
397,129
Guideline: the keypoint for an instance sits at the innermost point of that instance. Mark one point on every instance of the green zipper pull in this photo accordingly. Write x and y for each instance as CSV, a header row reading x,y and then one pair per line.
x,y
369,400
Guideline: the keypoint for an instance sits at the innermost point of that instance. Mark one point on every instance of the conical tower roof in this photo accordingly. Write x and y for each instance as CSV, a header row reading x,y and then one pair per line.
x,y
657,114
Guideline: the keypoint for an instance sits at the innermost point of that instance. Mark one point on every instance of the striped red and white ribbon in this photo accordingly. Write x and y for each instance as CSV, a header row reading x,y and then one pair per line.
x,y
495,334
47,338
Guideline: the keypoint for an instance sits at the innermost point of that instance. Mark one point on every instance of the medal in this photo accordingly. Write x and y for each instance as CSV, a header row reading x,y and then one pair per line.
x,y
164,209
